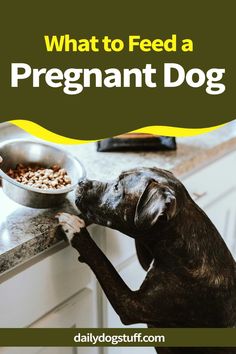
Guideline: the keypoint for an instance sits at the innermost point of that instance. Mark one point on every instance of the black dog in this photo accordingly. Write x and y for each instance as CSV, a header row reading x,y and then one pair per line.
x,y
191,278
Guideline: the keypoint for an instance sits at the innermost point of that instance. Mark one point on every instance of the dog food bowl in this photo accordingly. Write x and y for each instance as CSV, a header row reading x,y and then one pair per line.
x,y
28,152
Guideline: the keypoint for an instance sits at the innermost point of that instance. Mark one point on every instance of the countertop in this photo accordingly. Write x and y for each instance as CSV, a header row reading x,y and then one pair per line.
x,y
26,233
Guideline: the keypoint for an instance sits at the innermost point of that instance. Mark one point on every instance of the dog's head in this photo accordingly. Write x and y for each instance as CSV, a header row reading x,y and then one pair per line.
x,y
135,202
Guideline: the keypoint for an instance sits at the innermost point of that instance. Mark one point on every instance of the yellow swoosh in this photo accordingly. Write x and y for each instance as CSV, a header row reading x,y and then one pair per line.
x,y
42,133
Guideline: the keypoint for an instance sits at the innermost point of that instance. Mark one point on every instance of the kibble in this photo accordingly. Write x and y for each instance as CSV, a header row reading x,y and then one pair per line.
x,y
54,177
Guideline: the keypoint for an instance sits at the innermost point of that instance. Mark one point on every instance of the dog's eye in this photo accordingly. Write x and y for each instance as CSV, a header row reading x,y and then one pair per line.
x,y
116,187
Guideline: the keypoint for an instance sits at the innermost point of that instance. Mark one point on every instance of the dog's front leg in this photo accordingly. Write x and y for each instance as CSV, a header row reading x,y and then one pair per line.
x,y
125,302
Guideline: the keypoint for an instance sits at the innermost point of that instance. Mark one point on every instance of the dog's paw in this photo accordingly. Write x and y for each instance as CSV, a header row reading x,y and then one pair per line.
x,y
71,224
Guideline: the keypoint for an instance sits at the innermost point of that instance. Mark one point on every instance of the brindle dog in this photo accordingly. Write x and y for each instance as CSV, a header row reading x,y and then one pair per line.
x,y
191,275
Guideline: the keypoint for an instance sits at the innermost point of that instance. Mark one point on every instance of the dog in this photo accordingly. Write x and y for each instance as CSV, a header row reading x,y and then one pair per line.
x,y
191,274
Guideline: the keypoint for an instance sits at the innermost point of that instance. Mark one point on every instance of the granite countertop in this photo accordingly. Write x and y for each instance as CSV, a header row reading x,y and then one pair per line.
x,y
26,232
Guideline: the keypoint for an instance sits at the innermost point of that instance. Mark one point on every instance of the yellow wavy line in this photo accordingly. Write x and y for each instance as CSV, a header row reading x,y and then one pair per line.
x,y
42,133
176,131
45,134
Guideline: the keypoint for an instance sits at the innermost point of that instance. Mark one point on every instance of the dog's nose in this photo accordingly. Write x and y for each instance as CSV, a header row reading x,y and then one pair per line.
x,y
85,183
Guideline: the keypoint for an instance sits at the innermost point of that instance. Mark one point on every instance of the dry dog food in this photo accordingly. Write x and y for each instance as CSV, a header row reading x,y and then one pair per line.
x,y
54,177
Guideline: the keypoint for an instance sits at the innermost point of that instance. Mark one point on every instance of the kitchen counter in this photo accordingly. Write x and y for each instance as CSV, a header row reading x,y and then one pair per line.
x,y
26,233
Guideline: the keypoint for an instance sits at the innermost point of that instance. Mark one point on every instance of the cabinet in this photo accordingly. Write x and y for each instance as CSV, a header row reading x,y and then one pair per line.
x,y
133,274
222,212
57,291
214,190
41,287
79,311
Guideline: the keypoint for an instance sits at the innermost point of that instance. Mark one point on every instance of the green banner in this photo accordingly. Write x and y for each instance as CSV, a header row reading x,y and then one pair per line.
x,y
91,70
120,337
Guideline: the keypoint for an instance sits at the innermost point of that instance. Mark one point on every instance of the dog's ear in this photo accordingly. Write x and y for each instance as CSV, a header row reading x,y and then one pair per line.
x,y
156,200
